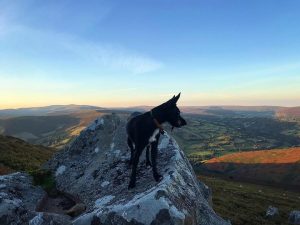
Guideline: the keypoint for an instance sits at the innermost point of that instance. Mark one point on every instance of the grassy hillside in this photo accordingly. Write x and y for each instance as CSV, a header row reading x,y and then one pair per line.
x,y
37,125
269,166
246,204
16,154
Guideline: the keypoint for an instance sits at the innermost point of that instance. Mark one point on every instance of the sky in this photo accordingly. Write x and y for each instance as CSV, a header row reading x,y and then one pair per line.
x,y
128,53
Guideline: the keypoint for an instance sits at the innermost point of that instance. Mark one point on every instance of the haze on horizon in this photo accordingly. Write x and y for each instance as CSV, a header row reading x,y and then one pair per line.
x,y
127,53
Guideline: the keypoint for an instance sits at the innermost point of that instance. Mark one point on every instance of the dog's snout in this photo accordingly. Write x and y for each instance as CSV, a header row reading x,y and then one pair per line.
x,y
179,122
182,122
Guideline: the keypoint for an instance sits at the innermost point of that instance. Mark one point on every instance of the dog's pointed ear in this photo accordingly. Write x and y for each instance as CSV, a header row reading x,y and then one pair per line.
x,y
173,100
177,97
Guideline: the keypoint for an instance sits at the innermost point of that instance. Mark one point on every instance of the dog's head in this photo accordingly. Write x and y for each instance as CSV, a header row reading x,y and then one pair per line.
x,y
172,112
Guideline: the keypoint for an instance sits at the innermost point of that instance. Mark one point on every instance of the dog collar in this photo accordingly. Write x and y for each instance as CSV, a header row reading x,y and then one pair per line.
x,y
158,125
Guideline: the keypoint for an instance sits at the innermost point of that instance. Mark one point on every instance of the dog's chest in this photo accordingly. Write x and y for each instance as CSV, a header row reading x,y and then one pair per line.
x,y
152,137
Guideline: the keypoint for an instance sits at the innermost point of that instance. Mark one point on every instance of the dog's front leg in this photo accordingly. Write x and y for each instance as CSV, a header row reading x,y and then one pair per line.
x,y
136,157
156,175
148,163
130,145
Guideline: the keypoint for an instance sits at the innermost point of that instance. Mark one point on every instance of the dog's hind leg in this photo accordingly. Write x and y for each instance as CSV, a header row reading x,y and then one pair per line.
x,y
135,162
156,175
148,162
130,145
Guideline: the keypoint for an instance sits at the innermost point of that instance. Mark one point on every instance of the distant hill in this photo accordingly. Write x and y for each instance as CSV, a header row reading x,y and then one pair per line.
x,y
233,111
269,111
46,110
278,166
213,129
218,110
16,154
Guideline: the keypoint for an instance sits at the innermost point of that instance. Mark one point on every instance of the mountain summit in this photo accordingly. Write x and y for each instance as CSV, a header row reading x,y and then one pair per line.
x,y
95,168
94,171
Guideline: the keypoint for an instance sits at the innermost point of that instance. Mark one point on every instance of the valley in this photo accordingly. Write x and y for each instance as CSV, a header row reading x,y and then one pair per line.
x,y
211,131
49,130
209,136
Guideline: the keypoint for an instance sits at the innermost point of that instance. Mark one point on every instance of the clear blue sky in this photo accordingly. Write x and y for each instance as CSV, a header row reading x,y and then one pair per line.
x,y
121,53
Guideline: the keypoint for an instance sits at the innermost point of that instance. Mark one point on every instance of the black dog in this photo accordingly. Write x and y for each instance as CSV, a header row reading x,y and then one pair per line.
x,y
145,129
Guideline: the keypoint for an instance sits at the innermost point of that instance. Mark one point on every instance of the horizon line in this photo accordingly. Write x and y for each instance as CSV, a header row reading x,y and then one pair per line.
x,y
136,106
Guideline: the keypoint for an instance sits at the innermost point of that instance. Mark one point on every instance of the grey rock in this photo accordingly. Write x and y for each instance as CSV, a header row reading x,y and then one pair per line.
x,y
294,217
272,212
95,169
18,198
43,218
18,202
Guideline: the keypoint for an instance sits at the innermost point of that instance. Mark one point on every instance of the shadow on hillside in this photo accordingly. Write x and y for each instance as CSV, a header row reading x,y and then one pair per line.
x,y
285,175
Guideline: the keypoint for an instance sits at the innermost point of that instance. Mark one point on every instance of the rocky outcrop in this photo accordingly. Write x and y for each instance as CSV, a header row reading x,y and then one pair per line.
x,y
95,170
92,176
17,198
18,201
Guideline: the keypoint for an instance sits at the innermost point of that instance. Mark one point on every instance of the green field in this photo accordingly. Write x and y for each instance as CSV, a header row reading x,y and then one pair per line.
x,y
208,136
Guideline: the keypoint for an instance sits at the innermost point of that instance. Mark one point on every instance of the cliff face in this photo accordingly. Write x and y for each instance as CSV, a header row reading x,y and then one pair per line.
x,y
94,172
95,169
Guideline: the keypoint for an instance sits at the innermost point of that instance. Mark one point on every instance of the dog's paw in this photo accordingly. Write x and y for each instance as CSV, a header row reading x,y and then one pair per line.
x,y
158,177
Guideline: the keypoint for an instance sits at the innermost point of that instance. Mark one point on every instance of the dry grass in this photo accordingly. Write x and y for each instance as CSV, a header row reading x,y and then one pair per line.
x,y
290,155
276,167
16,154
246,204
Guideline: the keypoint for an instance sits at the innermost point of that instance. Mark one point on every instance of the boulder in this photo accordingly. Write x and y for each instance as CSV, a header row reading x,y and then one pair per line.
x,y
18,201
44,218
272,212
294,217
18,198
95,169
